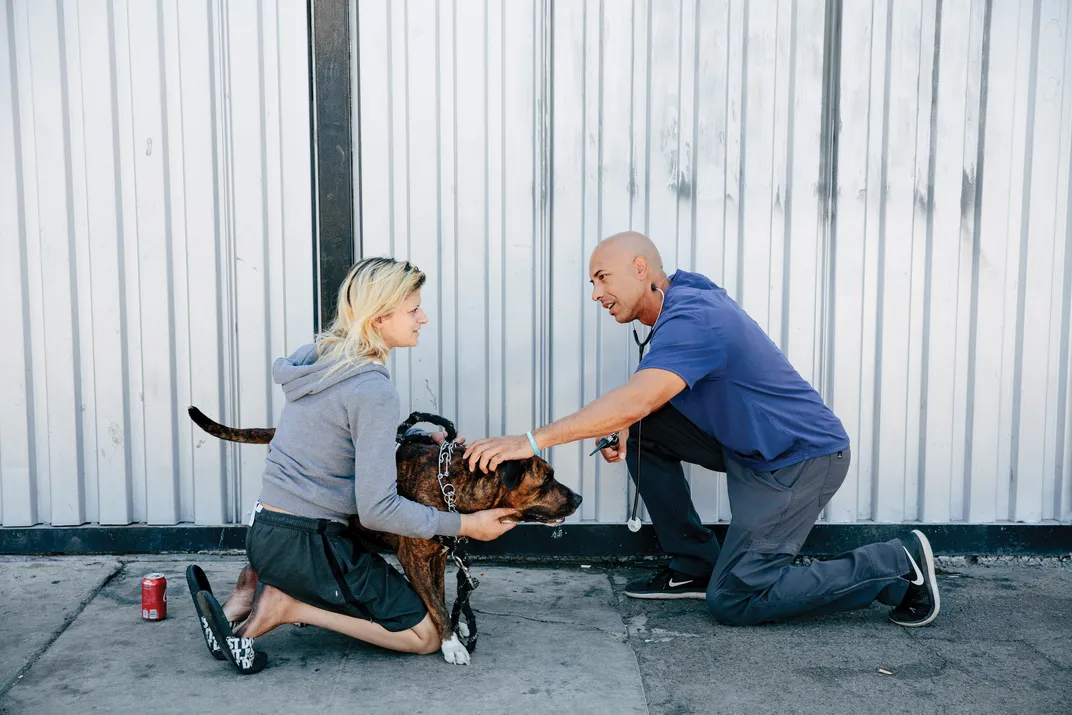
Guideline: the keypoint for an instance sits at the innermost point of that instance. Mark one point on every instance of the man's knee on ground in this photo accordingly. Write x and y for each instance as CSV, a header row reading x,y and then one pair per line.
x,y
731,608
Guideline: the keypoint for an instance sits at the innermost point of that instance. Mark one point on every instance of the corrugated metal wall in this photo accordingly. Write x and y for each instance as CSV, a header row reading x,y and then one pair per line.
x,y
155,219
952,261
449,96
928,298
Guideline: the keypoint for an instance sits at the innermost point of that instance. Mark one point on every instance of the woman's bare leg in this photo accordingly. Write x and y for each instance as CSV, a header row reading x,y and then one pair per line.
x,y
273,608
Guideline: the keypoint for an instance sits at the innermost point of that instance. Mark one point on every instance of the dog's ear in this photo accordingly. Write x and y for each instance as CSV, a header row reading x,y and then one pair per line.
x,y
511,473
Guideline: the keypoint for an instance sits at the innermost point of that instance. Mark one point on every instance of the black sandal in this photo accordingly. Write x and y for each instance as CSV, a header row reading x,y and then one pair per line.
x,y
196,582
239,651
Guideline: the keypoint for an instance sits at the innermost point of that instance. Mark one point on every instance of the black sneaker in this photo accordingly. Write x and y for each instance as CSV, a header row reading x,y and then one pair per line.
x,y
921,602
669,584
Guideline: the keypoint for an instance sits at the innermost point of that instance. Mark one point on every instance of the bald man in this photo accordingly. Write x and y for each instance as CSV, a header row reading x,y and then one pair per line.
x,y
714,390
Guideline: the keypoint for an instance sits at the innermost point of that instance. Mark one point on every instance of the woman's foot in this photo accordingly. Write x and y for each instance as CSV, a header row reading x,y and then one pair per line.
x,y
240,602
271,608
239,651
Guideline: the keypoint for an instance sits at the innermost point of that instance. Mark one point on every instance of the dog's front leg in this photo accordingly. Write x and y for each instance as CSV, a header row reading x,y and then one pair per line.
x,y
424,563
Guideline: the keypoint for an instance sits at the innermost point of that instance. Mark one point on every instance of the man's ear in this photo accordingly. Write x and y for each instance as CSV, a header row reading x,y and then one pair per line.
x,y
640,267
511,473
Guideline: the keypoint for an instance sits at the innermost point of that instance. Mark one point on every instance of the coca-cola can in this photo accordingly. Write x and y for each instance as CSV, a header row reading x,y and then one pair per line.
x,y
154,597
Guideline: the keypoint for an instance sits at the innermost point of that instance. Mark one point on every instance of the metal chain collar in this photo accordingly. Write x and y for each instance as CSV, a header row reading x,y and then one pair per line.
x,y
446,454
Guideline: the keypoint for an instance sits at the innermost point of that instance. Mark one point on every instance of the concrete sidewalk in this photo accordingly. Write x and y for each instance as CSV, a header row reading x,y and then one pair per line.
x,y
72,640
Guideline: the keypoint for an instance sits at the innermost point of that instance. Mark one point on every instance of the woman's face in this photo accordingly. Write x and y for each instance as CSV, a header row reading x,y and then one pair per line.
x,y
400,329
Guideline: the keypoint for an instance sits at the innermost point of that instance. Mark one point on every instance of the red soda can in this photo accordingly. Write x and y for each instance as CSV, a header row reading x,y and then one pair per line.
x,y
154,597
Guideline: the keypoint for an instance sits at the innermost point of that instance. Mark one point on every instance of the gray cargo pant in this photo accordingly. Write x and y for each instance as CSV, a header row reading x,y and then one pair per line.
x,y
752,576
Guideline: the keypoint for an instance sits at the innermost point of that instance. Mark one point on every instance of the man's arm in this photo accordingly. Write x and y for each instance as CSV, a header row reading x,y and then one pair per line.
x,y
646,391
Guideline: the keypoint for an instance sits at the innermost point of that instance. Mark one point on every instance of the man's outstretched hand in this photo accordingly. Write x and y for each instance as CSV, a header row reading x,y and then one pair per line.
x,y
490,452
616,453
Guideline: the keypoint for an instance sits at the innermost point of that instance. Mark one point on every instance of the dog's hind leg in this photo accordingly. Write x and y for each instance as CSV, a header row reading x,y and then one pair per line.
x,y
420,559
438,570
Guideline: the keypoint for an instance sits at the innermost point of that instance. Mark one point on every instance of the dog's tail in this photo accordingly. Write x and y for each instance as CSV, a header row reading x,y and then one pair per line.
x,y
261,435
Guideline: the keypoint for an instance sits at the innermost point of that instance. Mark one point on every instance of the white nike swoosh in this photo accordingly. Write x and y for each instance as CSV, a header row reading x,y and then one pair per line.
x,y
918,580
675,584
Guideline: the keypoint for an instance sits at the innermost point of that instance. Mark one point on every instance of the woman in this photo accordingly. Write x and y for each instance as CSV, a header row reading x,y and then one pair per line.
x,y
333,455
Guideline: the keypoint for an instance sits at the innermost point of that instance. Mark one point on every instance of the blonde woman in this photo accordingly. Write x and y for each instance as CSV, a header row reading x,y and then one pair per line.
x,y
333,455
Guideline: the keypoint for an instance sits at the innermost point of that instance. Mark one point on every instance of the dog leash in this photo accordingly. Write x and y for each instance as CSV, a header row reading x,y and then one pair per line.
x,y
467,583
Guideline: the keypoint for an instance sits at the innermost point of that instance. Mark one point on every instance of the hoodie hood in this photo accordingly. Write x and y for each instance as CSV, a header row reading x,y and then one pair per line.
x,y
300,374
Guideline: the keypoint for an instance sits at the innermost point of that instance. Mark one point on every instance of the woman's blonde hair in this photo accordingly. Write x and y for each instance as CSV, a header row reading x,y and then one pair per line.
x,y
374,288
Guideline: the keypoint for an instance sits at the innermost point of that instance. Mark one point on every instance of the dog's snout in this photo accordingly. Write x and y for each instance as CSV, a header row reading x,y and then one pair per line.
x,y
576,500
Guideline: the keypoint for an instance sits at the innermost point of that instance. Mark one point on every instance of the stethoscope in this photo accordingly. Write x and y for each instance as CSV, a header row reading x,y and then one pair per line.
x,y
641,344
612,441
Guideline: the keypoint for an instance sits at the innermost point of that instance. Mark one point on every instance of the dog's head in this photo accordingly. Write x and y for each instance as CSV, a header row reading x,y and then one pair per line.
x,y
527,486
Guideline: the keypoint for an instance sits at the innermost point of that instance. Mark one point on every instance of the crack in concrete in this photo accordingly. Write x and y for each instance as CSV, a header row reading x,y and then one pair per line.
x,y
1039,653
926,647
616,634
1031,645
60,631
338,670
629,642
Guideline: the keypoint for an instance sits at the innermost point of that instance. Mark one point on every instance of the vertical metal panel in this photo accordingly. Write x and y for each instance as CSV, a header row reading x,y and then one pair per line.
x,y
695,123
18,468
952,266
930,306
333,103
449,181
156,235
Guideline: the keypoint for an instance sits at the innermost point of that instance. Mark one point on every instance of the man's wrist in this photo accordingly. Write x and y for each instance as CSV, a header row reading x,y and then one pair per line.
x,y
533,443
543,438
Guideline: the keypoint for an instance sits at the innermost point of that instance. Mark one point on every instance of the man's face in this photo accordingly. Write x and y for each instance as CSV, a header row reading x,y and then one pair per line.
x,y
616,283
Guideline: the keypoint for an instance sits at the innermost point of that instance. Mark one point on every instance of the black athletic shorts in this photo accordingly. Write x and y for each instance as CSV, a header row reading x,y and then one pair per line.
x,y
318,562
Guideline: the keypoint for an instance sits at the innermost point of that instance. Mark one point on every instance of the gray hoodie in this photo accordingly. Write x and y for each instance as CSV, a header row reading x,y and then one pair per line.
x,y
333,453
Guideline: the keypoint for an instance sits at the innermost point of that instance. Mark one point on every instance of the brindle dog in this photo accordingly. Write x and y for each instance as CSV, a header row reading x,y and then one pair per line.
x,y
527,485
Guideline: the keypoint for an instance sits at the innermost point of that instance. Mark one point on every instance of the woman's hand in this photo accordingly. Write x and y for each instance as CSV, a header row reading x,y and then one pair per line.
x,y
487,525
441,437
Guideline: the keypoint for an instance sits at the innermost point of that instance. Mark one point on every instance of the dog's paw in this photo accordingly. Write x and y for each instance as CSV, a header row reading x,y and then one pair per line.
x,y
463,629
454,652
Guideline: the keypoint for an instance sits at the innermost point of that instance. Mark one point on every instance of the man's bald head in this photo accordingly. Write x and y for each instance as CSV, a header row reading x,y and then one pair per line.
x,y
629,245
623,269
